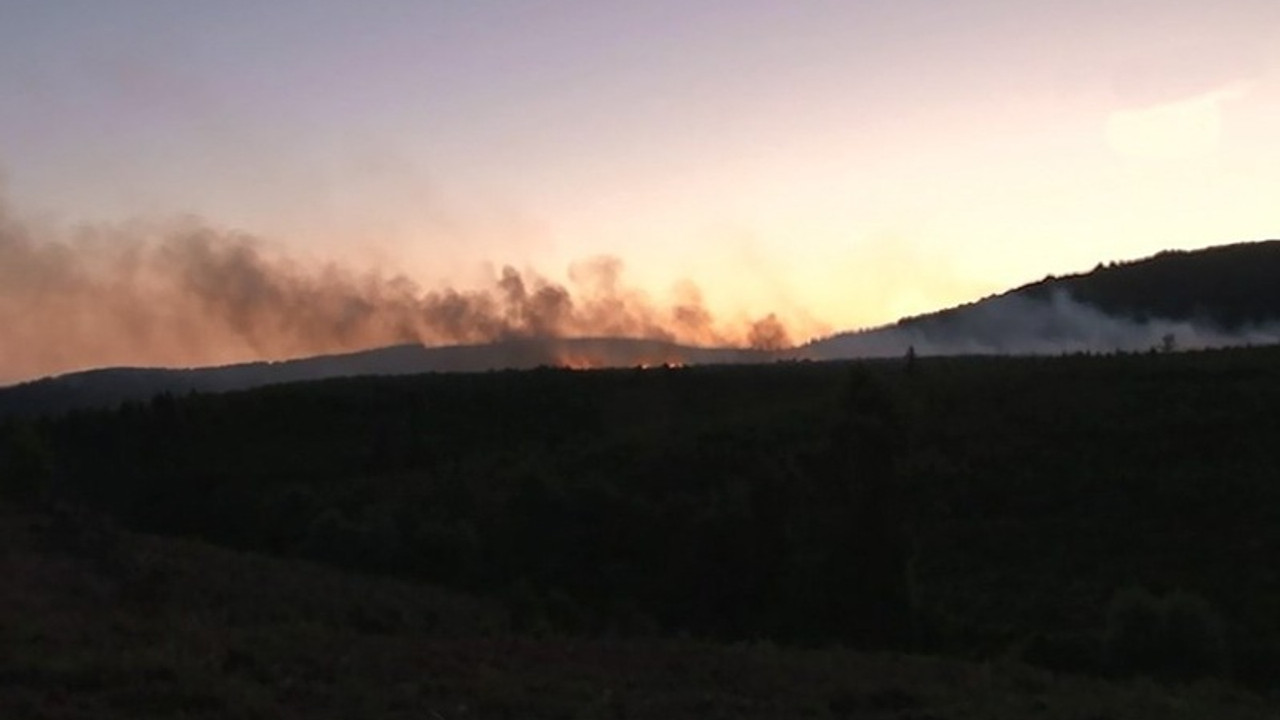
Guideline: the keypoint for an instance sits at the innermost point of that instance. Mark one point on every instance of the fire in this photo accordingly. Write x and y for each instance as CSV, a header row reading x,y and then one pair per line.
x,y
577,360
574,361
183,293
665,365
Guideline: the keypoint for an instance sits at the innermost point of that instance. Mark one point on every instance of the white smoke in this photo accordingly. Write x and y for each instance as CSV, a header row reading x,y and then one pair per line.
x,y
1016,324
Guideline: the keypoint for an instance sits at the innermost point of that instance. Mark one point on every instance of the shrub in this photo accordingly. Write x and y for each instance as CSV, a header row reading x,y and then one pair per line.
x,y
26,464
1195,637
1177,637
1133,642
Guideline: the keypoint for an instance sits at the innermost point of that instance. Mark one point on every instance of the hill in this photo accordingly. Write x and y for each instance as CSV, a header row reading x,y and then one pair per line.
x,y
1215,297
1230,287
111,386
980,506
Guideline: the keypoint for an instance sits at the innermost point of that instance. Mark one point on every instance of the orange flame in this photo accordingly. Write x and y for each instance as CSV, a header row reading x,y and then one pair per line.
x,y
577,359
573,361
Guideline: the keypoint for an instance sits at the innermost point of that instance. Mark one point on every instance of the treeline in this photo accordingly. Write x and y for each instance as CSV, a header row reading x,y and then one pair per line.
x,y
972,505
1232,286
628,501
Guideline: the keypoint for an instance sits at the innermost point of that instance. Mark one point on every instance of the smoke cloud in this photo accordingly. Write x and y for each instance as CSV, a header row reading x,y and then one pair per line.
x,y
183,294
1017,324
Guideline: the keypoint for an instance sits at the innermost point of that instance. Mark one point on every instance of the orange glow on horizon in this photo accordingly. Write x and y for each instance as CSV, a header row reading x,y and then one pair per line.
x,y
579,360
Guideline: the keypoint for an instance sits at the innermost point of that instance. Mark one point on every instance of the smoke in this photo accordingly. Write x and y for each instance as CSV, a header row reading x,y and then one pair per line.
x,y
1018,324
182,293
768,333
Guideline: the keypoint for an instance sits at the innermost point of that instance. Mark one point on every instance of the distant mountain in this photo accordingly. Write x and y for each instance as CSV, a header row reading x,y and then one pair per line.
x,y
1228,295
1219,296
111,386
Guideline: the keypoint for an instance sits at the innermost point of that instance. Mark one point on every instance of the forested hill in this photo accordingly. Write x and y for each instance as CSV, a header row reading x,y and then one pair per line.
x,y
1216,297
1228,295
110,386
1232,286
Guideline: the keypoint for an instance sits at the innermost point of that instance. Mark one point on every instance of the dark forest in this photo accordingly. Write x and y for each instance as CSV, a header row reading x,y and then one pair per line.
x,y
1110,516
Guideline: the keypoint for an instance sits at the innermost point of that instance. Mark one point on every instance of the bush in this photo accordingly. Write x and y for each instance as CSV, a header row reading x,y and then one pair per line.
x,y
1134,641
1195,637
1177,637
26,464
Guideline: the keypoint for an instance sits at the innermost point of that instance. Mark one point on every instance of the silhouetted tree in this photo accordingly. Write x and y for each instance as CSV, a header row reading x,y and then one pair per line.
x,y
26,463
1177,637
852,561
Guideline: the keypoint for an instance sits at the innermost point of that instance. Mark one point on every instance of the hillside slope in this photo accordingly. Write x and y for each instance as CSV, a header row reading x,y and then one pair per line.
x,y
704,499
1233,287
100,623
1215,297
112,386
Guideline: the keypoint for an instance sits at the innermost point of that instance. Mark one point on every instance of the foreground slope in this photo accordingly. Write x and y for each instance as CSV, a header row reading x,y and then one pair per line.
x,y
100,623
714,501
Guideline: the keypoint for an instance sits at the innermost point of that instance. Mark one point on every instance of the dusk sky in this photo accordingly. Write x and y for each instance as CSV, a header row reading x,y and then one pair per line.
x,y
839,163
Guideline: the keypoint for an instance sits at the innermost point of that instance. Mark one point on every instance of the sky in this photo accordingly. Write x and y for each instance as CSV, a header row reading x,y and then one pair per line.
x,y
839,164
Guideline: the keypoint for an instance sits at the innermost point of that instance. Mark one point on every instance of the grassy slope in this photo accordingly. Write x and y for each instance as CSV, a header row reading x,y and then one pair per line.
x,y
100,623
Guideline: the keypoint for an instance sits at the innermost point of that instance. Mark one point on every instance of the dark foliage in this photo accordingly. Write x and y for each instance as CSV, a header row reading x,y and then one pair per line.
x,y
105,624
26,463
1177,637
975,505
1232,286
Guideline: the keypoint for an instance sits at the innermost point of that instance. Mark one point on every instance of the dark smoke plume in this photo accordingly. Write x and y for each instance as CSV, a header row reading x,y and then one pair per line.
x,y
187,294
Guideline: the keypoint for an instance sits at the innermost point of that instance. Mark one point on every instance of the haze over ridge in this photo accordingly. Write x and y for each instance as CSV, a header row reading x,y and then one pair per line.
x,y
1218,296
184,293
